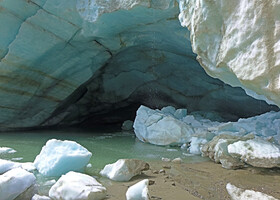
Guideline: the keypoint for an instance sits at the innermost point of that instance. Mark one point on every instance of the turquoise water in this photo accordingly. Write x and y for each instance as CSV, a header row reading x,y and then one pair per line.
x,y
106,147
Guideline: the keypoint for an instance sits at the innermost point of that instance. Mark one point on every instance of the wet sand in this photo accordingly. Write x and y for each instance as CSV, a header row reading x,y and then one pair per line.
x,y
206,180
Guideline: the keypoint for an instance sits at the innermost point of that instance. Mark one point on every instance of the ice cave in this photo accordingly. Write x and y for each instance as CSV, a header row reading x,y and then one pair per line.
x,y
139,99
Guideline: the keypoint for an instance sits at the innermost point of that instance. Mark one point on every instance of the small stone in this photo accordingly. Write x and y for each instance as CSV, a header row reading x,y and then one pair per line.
x,y
166,167
162,171
165,159
177,160
151,182
127,125
173,184
155,172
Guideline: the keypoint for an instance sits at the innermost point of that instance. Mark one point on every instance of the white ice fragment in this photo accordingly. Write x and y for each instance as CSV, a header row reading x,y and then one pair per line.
x,y
89,165
16,159
195,145
165,159
124,169
139,191
50,182
4,150
38,197
240,194
171,150
15,182
77,186
59,157
6,165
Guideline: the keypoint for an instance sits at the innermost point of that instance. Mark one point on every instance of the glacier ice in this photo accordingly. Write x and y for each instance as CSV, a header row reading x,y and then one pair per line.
x,y
15,182
240,194
138,191
59,157
124,169
77,186
63,62
237,42
253,141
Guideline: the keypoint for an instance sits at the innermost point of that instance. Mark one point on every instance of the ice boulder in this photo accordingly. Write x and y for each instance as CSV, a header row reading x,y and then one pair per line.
x,y
124,169
5,150
161,127
256,152
15,182
59,157
139,191
217,150
6,165
77,186
240,194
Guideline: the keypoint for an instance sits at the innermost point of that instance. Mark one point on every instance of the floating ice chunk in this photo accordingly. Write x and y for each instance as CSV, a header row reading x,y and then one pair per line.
x,y
38,197
127,125
28,166
240,194
196,144
16,159
50,182
4,150
157,127
6,165
124,169
77,186
15,182
256,152
171,150
59,157
139,191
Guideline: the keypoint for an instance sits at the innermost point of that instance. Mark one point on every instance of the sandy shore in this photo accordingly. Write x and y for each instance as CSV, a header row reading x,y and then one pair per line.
x,y
205,180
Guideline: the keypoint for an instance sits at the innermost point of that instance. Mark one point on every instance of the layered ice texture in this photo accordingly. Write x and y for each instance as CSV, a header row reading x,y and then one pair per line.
x,y
59,157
